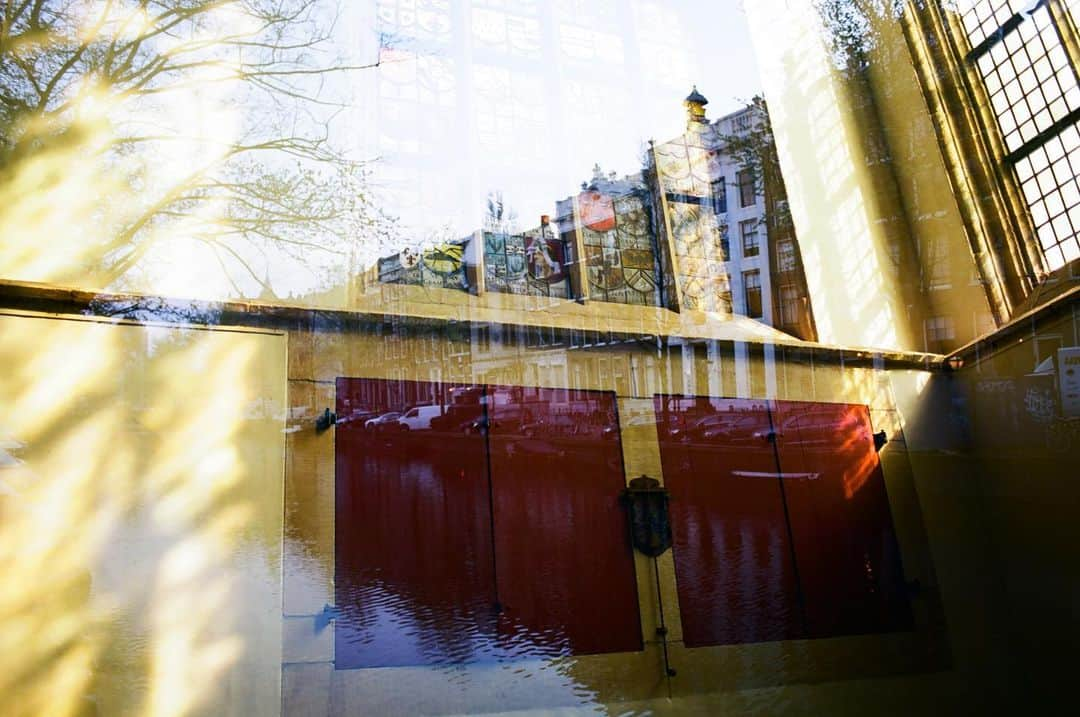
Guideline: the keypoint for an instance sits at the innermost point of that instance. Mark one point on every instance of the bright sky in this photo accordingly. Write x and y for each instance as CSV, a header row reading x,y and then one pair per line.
x,y
525,97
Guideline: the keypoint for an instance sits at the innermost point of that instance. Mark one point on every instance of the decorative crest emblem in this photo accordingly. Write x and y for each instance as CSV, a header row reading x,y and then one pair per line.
x,y
646,502
409,257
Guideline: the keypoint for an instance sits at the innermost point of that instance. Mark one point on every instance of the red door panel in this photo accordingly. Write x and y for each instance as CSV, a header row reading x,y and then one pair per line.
x,y
414,579
845,545
733,558
565,571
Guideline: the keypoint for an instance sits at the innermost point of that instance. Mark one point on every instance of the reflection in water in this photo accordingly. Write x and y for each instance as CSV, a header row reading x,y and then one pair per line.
x,y
444,558
414,567
732,549
782,525
565,569
848,558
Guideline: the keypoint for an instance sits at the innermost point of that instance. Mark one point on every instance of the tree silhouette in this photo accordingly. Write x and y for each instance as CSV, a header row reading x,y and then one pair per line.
x,y
129,124
753,148
499,216
852,28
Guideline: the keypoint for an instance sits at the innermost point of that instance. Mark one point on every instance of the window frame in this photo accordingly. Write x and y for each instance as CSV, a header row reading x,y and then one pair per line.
x,y
747,191
719,195
785,256
789,304
755,276
1056,228
754,248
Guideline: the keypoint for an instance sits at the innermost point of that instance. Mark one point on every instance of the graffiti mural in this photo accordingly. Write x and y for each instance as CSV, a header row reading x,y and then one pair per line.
x,y
532,263
440,267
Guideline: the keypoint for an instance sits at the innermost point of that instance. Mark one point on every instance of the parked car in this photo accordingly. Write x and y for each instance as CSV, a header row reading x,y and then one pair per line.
x,y
724,427
824,428
383,422
419,418
549,426
357,415
730,428
457,418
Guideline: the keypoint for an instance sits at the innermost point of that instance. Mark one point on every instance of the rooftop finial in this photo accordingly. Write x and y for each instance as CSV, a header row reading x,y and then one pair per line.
x,y
695,106
696,97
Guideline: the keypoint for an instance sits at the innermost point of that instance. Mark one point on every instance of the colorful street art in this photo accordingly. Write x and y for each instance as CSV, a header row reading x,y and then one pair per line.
x,y
441,267
629,258
532,263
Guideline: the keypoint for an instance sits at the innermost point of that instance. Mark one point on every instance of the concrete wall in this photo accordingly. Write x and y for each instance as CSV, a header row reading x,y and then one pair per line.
x,y
1027,450
845,204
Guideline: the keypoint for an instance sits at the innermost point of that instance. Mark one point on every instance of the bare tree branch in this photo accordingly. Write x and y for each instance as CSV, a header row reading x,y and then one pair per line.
x,y
77,71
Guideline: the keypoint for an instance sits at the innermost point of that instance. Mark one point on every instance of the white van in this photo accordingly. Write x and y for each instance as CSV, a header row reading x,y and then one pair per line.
x,y
419,418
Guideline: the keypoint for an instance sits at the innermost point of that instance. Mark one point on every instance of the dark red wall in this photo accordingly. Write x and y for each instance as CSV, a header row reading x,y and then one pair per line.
x,y
781,522
457,544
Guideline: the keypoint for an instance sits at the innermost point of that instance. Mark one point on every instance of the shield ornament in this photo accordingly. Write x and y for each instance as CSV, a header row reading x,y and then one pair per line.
x,y
545,259
646,502
597,211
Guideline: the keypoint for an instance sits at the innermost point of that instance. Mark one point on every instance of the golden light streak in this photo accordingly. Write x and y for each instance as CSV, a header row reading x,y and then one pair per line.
x,y
140,532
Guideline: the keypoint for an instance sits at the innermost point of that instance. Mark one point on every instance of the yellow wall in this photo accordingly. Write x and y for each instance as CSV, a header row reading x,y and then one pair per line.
x,y
938,236
845,206
143,526
968,524
140,518
708,678
875,211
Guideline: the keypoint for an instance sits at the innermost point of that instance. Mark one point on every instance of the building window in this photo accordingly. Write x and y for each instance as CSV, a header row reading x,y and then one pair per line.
x,y
936,265
745,179
719,196
785,255
789,305
540,337
741,123
1035,97
481,340
750,244
940,328
752,291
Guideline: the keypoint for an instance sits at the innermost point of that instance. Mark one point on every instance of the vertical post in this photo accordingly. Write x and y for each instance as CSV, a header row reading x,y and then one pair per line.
x,y
479,263
485,428
577,274
666,244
